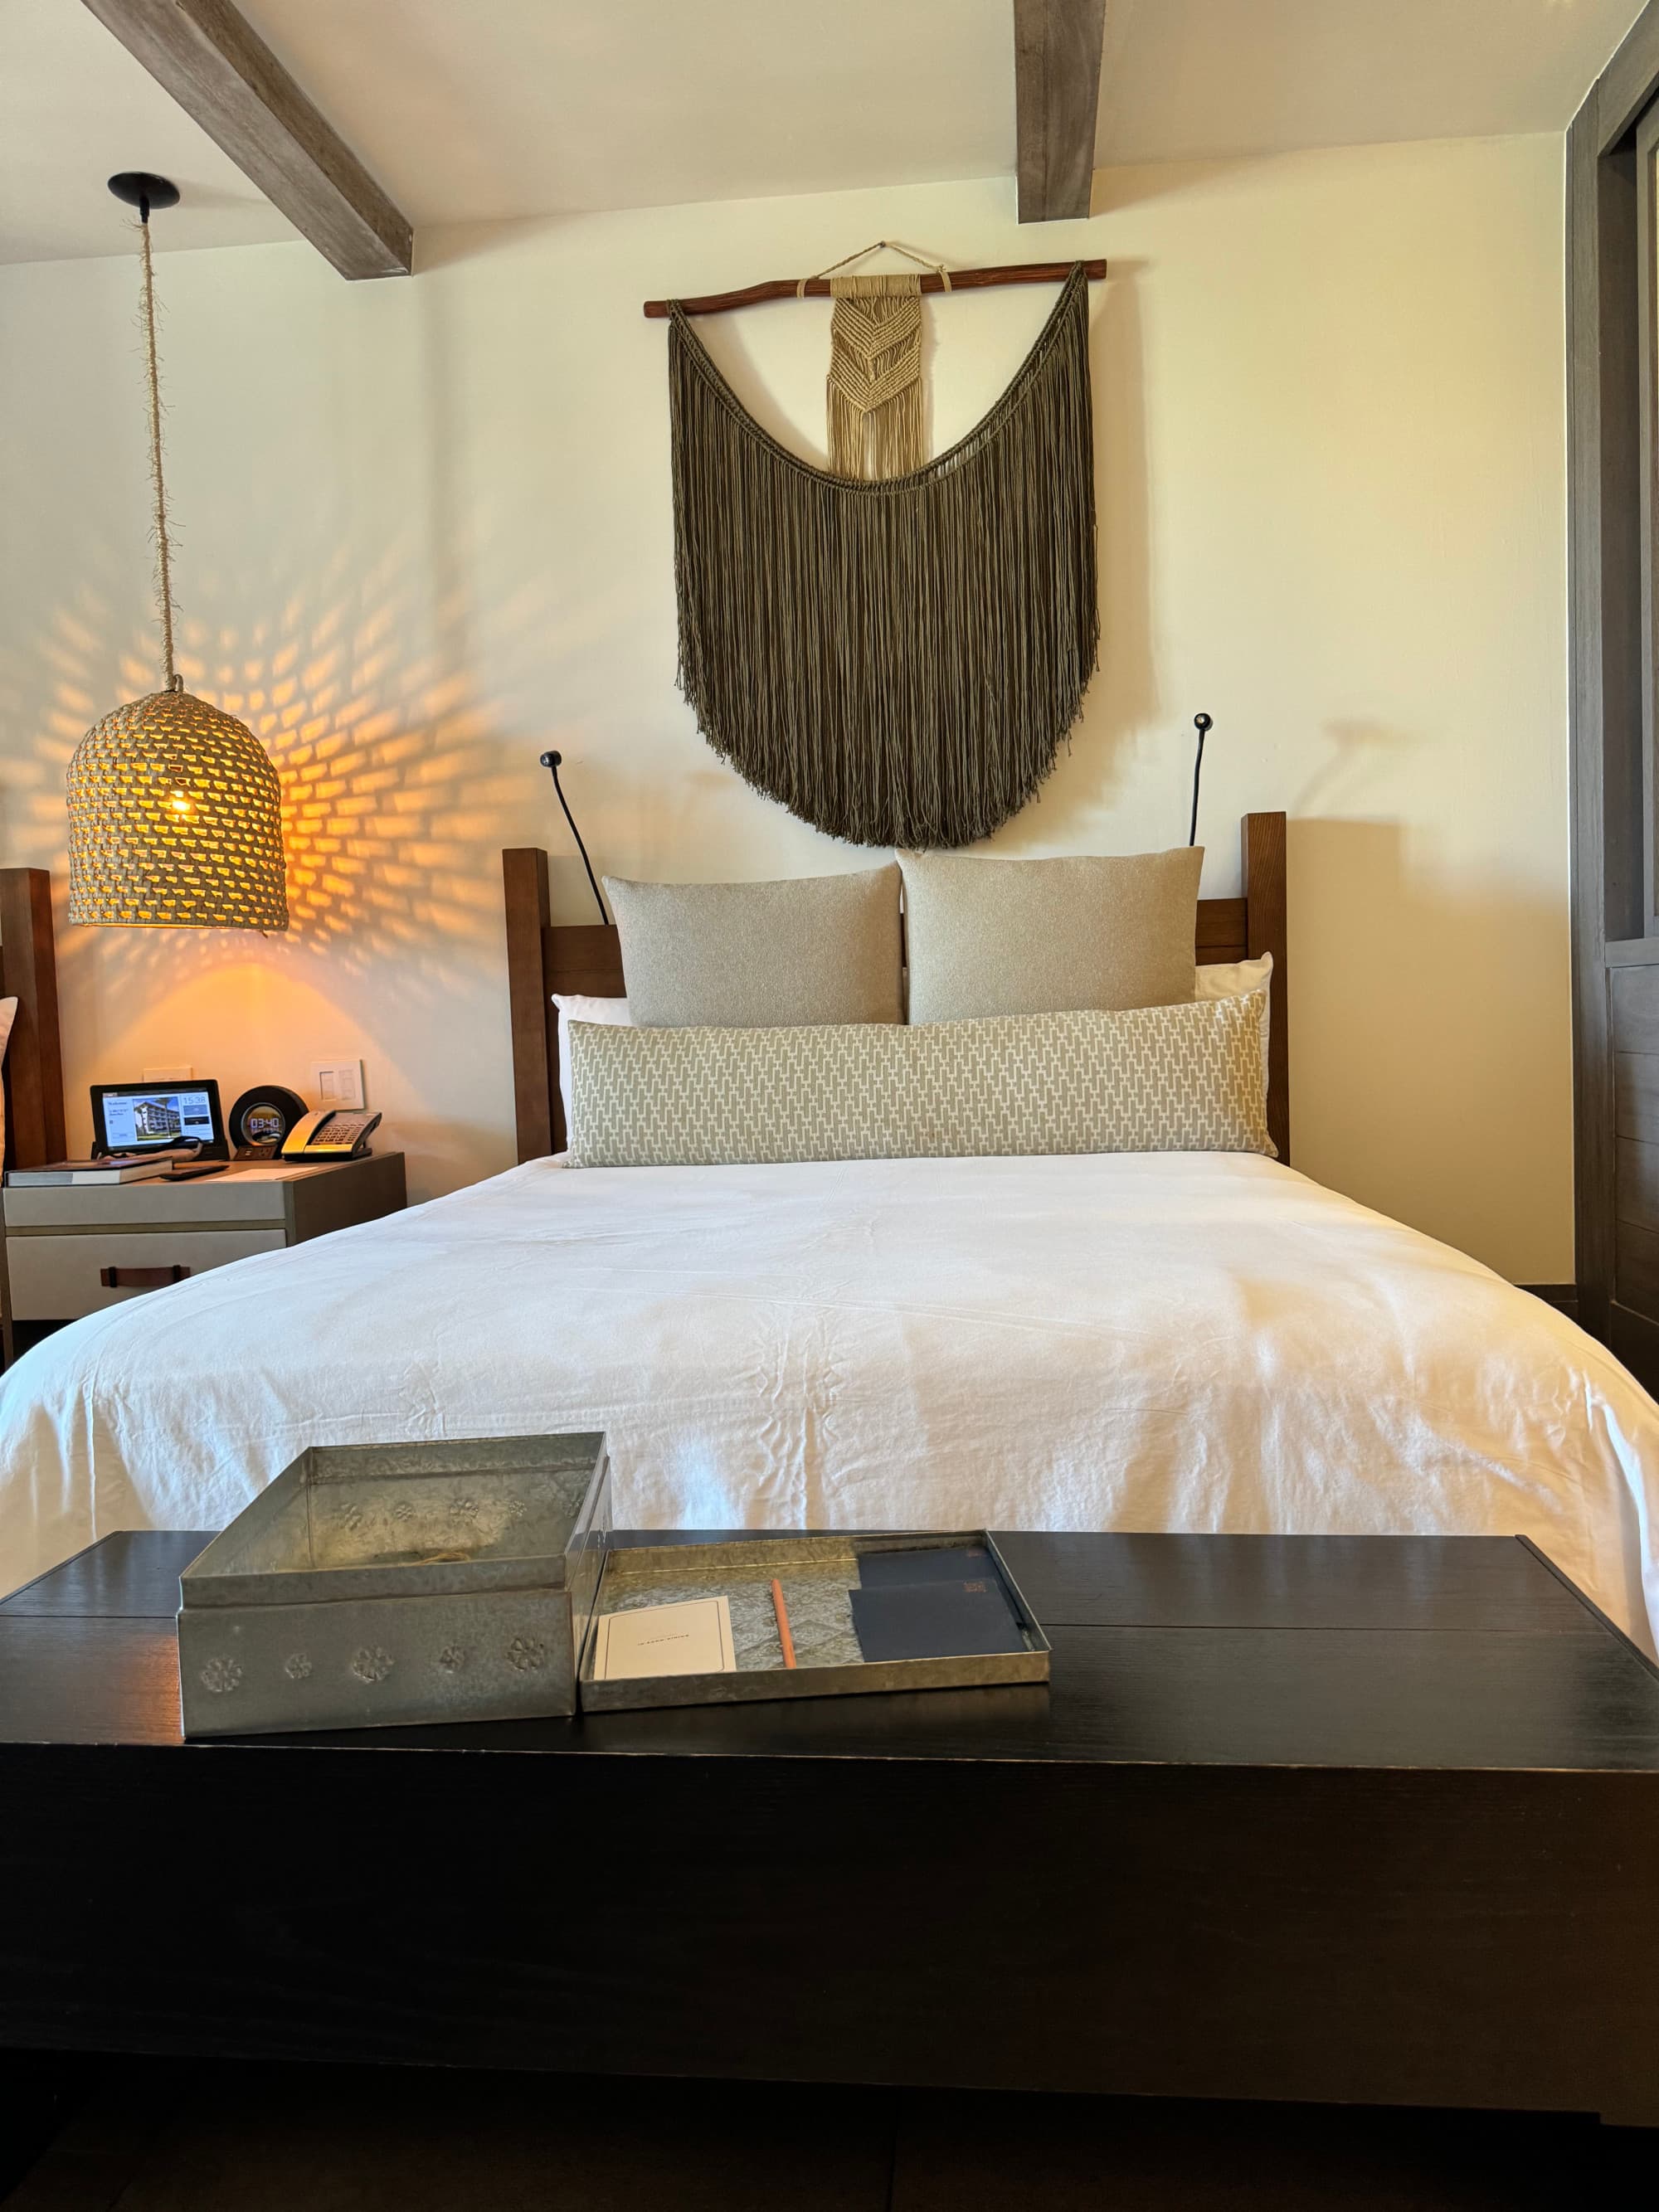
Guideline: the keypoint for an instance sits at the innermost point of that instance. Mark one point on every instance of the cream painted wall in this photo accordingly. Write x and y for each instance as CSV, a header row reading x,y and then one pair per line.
x,y
425,532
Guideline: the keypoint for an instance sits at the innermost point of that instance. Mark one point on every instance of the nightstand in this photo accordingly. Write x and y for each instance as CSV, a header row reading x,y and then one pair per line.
x,y
72,1249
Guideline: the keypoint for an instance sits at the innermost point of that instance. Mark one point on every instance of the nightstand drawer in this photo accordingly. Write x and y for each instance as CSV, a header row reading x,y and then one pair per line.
x,y
59,1277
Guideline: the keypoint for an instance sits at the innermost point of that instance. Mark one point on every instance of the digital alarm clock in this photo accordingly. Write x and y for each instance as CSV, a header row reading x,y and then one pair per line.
x,y
261,1119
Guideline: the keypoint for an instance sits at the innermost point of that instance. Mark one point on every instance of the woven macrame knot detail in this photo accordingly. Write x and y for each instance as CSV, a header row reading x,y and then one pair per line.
x,y
175,816
875,377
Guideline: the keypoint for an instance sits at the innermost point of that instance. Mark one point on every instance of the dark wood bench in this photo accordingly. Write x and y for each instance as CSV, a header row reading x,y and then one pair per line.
x,y
1371,1819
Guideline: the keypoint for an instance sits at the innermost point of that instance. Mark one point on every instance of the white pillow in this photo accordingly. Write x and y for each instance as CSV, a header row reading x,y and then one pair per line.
x,y
1237,979
1232,979
574,1007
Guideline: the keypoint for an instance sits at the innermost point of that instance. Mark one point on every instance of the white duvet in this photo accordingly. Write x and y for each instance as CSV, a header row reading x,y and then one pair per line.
x,y
1143,1341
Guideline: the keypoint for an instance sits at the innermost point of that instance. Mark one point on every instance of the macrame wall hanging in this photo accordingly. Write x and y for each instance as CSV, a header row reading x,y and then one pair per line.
x,y
894,647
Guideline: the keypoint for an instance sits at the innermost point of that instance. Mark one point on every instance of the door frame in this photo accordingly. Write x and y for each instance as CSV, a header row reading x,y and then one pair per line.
x,y
1613,886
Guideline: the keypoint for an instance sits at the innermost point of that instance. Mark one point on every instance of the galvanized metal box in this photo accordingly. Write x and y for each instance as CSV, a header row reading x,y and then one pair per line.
x,y
818,1574
374,1585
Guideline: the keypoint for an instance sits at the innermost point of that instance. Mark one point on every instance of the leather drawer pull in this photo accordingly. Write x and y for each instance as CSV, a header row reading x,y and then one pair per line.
x,y
140,1279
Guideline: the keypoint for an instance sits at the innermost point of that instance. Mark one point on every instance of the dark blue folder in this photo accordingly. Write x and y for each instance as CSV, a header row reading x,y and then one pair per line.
x,y
934,1619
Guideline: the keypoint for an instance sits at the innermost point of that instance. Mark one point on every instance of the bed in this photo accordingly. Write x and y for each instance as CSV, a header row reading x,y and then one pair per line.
x,y
1176,1341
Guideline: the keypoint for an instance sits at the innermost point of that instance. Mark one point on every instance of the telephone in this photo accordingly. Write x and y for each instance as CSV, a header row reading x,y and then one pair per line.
x,y
329,1135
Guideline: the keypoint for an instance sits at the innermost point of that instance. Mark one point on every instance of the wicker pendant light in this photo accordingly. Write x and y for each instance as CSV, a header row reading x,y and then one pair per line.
x,y
175,809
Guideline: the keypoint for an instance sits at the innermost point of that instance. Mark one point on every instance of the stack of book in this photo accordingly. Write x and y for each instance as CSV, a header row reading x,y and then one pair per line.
x,y
112,1168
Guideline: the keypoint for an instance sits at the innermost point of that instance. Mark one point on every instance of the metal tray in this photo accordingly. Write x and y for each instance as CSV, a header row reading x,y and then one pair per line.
x,y
816,1573
377,1584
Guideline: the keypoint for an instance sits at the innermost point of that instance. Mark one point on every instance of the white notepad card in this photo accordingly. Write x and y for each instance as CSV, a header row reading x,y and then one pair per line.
x,y
693,1637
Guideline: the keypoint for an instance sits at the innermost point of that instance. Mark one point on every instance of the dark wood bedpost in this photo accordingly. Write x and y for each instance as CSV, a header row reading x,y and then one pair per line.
x,y
1265,912
34,1066
583,957
524,876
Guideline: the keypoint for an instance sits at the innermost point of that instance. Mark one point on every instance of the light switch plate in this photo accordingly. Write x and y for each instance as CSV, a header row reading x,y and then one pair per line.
x,y
169,1075
337,1082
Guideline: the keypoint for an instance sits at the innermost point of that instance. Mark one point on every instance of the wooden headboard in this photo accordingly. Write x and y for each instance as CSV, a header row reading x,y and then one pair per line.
x,y
544,956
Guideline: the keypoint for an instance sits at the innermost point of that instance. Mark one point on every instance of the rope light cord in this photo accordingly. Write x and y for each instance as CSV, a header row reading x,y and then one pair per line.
x,y
153,375
880,246
175,808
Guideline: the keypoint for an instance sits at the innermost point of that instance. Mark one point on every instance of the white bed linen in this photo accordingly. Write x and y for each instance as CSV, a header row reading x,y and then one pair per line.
x,y
1140,1341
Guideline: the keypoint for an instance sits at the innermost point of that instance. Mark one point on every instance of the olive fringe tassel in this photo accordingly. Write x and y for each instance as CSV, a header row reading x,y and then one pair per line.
x,y
895,662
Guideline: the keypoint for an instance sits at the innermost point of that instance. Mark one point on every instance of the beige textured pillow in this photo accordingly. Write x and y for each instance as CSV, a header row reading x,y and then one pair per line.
x,y
1183,1078
1041,937
761,956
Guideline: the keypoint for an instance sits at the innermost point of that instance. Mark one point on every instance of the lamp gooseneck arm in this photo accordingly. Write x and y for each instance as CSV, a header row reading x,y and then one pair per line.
x,y
550,762
1203,725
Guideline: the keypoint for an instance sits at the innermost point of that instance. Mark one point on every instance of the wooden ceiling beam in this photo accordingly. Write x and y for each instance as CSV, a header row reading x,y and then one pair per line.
x,y
226,78
1057,49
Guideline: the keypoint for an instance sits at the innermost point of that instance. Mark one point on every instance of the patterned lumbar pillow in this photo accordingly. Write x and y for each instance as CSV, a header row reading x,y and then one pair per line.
x,y
1181,1078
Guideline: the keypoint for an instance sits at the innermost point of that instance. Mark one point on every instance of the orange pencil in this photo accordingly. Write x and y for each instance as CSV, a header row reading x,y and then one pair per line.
x,y
782,1611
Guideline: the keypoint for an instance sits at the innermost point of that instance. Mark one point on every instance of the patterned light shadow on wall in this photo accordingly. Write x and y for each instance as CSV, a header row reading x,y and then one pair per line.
x,y
399,789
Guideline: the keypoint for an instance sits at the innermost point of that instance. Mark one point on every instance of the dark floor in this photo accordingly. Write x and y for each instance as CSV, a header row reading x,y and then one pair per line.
x,y
153,2137
26,1334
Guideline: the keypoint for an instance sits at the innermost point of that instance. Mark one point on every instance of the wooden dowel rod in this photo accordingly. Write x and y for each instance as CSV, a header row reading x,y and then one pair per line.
x,y
817,288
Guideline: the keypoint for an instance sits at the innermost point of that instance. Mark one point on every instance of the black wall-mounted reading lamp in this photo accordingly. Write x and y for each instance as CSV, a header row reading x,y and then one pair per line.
x,y
1203,725
550,762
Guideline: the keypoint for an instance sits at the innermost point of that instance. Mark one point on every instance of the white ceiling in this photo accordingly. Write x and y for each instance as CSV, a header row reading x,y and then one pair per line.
x,y
74,107
476,110
1183,79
